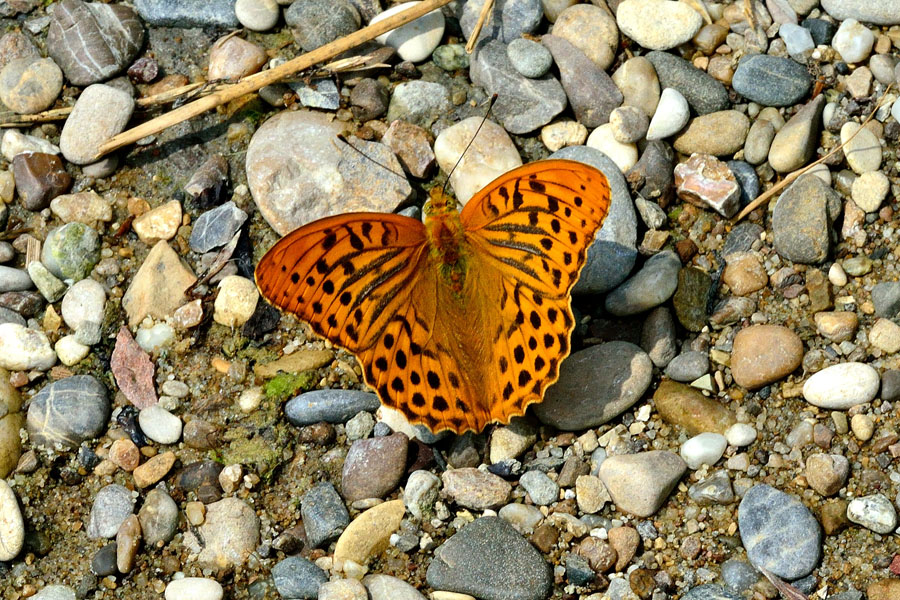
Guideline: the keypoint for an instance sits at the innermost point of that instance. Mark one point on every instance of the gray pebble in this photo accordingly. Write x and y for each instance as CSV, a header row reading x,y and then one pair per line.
x,y
704,93
104,561
68,412
178,13
710,591
543,490
419,103
324,514
739,575
14,280
113,504
216,227
800,223
652,285
158,517
771,80
741,238
688,366
529,58
298,578
509,19
658,336
315,23
333,406
886,298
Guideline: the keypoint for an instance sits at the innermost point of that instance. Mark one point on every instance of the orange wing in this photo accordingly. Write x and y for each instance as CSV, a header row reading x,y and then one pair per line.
x,y
346,275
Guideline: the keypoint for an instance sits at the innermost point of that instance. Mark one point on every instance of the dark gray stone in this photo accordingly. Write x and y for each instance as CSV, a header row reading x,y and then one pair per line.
x,y
688,366
747,179
890,385
104,561
188,13
324,514
692,298
508,20
490,560
710,591
704,93
886,298
771,80
779,532
68,412
652,285
523,104
739,575
800,222
216,227
315,23
298,579
653,175
741,238
333,406
591,92
578,571
595,386
822,31
611,257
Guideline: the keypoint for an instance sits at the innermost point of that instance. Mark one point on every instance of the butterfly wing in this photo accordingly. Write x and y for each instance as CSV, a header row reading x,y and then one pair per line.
x,y
530,229
345,275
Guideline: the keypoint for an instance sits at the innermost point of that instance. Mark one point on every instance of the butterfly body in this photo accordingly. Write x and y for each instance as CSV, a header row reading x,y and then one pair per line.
x,y
463,320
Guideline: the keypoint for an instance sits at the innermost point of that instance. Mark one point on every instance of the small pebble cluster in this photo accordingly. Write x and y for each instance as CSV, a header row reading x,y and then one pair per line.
x,y
731,404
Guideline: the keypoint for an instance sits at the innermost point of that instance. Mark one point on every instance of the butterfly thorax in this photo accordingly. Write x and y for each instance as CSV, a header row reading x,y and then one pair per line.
x,y
446,239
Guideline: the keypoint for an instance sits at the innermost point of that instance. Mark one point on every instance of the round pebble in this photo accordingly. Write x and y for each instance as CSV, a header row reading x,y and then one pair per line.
x,y
523,517
827,473
873,512
29,86
842,386
863,150
853,41
740,434
160,425
543,490
658,24
100,112
332,406
112,505
373,467
229,534
529,58
416,40
70,351
257,15
236,301
771,80
651,286
590,29
194,588
12,527
603,139
71,251
703,449
869,190
84,304
763,354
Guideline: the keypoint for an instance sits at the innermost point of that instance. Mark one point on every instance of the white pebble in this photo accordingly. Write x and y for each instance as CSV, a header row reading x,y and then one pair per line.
x,y
836,275
862,427
797,39
873,512
257,15
842,386
869,190
703,449
160,425
55,592
853,41
15,143
563,133
740,434
83,304
152,339
194,588
23,349
70,351
603,139
12,527
672,114
250,399
236,301
414,41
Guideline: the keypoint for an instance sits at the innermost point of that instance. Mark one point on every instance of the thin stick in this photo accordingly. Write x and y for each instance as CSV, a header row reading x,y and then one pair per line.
x,y
260,80
793,176
482,19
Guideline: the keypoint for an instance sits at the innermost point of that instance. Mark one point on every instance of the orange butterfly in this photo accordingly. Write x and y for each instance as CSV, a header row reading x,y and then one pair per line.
x,y
463,320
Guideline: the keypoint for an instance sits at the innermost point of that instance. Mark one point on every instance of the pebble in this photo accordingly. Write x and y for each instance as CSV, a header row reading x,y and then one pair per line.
x,y
837,326
591,93
112,505
873,512
596,385
691,298
523,104
797,40
14,143
703,93
55,592
842,386
257,15
779,532
421,493
491,154
296,577
232,57
707,182
373,467
83,207
160,223
703,449
315,23
159,518
175,13
511,441
412,145
71,251
652,285
655,170
886,298
640,483
863,151
771,80
319,174
385,587
39,178
92,42
490,560
879,13
523,517
332,406
718,133
672,114
418,102
236,301
629,124
863,427
763,354
715,489
658,24
658,336
507,21
22,348
542,490
603,139
368,535
14,280
802,220
100,112
885,335
637,80
827,473
759,141
194,588
709,591
795,143
744,274
451,57
160,425
69,350
414,41
592,30
884,589
29,86
590,494
154,469
853,41
529,57
12,526
229,534
680,404
475,489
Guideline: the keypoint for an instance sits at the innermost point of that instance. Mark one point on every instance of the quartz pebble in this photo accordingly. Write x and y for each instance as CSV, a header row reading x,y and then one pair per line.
x,y
853,41
842,386
414,41
672,114
236,301
703,449
257,15
869,190
194,588
873,512
160,425
604,139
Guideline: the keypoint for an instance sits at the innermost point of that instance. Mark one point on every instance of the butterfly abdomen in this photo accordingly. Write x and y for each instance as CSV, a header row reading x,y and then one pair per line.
x,y
446,239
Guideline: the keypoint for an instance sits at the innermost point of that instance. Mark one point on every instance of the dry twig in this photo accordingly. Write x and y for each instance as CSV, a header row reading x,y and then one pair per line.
x,y
483,16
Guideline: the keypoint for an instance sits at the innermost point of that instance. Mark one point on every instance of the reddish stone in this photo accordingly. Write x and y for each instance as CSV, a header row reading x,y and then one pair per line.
x,y
133,370
707,182
40,178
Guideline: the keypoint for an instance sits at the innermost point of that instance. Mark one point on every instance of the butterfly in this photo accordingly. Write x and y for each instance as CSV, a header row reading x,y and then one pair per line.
x,y
459,321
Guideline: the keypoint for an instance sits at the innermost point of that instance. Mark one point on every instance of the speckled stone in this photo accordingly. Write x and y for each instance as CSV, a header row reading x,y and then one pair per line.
x,y
640,483
68,412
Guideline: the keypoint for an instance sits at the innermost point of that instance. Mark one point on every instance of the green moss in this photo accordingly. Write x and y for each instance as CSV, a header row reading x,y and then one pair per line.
x,y
673,214
285,385
260,454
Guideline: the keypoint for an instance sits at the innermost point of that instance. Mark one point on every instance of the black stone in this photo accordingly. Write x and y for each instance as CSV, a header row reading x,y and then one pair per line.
x,y
104,561
822,31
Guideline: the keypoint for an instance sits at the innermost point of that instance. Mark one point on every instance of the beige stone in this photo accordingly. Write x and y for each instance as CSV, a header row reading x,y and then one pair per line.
x,y
368,535
837,326
161,223
158,287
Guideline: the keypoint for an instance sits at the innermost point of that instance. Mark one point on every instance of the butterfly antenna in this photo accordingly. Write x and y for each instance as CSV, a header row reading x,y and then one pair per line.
x,y
344,139
472,141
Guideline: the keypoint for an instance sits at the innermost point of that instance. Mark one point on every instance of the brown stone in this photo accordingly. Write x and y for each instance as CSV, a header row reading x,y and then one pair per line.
x,y
125,454
295,362
40,178
763,354
642,582
128,539
232,57
200,434
412,145
133,370
545,537
154,469
158,287
833,516
368,535
827,473
744,274
599,554
885,589
837,326
374,466
680,404
625,541
475,489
